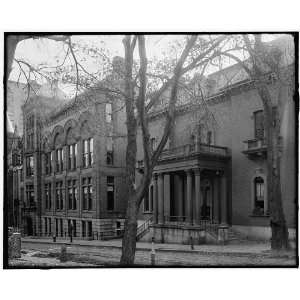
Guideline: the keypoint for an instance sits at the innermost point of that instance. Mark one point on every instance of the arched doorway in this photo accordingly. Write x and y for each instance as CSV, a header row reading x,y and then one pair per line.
x,y
259,196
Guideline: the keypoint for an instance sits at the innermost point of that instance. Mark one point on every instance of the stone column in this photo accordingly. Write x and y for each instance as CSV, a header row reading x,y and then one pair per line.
x,y
216,199
179,190
189,196
160,185
167,196
155,200
223,199
198,196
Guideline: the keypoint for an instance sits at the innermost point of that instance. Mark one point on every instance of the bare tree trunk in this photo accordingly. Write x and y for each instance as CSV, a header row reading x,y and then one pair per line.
x,y
128,242
272,126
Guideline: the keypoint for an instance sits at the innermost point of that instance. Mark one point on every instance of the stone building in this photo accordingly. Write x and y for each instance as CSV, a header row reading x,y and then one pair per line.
x,y
212,175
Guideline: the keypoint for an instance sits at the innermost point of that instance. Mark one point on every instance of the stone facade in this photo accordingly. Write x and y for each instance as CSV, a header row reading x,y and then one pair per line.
x,y
72,175
216,183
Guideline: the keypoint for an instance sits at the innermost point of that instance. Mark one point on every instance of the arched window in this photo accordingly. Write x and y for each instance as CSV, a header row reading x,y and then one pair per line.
x,y
259,196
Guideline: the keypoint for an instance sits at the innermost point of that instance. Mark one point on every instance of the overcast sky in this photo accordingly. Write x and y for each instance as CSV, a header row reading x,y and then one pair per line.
x,y
51,53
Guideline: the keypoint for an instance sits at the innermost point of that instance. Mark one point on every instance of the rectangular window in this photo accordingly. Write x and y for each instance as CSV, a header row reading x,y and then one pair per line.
x,y
56,227
87,193
59,195
148,200
110,193
87,154
146,203
59,160
72,151
90,229
209,138
48,196
109,151
74,228
50,227
29,166
46,225
61,228
30,140
48,163
83,228
72,194
30,194
259,124
108,112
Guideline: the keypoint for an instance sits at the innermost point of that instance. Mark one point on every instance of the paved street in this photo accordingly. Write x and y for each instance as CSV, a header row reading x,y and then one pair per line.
x,y
46,254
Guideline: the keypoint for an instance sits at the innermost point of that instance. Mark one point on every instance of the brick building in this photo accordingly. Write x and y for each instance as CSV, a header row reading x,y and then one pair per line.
x,y
74,167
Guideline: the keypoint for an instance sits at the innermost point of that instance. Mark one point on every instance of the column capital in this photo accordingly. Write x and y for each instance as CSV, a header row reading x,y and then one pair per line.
x,y
197,171
188,171
160,175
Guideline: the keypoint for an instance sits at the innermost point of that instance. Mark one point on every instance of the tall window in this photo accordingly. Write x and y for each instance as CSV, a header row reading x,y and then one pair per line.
x,y
209,138
87,155
30,194
72,151
48,163
30,140
59,195
87,193
109,151
259,124
108,112
72,194
259,191
110,193
61,227
46,225
29,166
146,203
59,160
48,195
83,228
56,227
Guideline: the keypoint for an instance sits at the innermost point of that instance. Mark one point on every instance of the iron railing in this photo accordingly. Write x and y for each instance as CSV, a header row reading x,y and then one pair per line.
x,y
143,228
196,148
182,221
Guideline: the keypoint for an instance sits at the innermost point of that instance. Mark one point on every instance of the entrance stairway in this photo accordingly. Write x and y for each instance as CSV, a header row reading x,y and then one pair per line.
x,y
143,229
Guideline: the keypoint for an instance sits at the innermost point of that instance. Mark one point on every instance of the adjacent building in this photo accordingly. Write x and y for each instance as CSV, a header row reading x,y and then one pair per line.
x,y
213,172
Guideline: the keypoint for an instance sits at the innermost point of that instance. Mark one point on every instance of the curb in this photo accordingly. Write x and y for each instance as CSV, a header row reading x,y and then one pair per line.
x,y
204,252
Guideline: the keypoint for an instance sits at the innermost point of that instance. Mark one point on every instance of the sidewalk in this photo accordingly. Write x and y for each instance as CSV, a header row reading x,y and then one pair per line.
x,y
245,248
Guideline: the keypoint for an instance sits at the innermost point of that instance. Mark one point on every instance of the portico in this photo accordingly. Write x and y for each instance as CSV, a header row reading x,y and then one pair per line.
x,y
189,196
190,190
